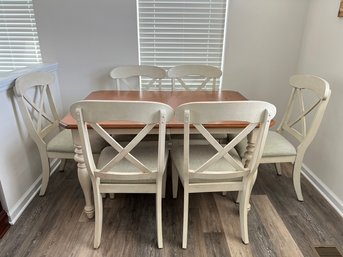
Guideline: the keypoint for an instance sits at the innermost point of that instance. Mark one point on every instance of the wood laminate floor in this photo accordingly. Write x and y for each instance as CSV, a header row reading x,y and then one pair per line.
x,y
279,225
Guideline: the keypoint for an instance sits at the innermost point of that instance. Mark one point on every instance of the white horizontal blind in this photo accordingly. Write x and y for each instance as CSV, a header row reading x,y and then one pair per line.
x,y
181,32
19,46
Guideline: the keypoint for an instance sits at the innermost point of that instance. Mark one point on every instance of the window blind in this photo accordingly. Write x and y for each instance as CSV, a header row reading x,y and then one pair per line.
x,y
181,32
19,45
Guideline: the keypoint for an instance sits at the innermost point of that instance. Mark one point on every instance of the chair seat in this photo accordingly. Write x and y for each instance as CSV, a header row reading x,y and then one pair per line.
x,y
199,154
63,142
276,145
147,155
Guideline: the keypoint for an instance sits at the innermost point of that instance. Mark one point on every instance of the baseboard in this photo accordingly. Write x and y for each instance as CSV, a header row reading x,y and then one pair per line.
x,y
326,192
23,202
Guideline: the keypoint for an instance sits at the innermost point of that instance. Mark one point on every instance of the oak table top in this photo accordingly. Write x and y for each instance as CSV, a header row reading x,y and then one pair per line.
x,y
172,98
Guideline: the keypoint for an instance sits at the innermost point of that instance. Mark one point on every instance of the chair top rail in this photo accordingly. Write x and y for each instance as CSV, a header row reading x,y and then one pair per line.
x,y
123,72
318,85
107,110
33,79
207,112
194,69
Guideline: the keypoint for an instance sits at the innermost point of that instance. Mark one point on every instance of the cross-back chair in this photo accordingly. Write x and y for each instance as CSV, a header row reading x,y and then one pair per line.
x,y
304,113
34,96
216,167
194,76
152,74
124,168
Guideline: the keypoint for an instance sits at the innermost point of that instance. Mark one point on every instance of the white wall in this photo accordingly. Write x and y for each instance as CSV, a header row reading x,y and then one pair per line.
x,y
86,38
262,48
322,54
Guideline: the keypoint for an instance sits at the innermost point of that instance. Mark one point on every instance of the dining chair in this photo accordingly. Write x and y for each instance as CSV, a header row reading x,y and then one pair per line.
x,y
194,76
304,113
124,168
35,100
216,167
150,76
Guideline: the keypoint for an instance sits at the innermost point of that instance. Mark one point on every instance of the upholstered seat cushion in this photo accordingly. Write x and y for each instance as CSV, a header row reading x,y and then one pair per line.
x,y
63,142
146,154
198,155
276,145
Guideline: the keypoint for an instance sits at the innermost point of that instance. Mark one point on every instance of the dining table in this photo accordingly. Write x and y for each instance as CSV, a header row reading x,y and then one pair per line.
x,y
172,98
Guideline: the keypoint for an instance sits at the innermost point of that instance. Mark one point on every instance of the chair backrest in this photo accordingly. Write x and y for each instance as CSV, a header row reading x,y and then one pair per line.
x,y
194,76
36,103
89,115
151,76
256,114
302,107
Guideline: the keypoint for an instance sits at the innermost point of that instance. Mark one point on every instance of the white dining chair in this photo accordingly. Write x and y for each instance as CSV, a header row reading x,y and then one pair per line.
x,y
149,77
35,100
194,77
216,167
124,168
304,113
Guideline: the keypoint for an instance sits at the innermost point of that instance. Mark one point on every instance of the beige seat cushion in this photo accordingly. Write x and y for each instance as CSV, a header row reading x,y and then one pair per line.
x,y
198,155
145,153
63,142
276,145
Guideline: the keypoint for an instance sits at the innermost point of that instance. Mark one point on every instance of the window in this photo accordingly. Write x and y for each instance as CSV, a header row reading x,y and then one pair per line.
x,y
174,32
19,46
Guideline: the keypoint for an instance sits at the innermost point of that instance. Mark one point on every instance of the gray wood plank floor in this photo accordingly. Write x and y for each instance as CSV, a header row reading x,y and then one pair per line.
x,y
279,225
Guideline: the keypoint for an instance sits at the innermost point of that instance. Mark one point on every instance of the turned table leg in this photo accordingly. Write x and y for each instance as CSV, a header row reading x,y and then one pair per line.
x,y
83,176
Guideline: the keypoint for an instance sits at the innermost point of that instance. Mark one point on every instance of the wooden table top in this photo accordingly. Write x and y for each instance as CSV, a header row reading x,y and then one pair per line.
x,y
172,98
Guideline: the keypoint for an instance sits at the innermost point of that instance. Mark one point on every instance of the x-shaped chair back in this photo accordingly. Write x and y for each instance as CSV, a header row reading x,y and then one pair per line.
x,y
149,76
255,113
299,108
89,114
36,104
195,76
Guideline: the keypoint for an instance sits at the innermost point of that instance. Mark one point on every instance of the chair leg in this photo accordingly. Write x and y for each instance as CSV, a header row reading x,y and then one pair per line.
x,y
45,174
278,168
185,217
243,218
164,184
98,216
241,194
159,215
238,196
62,165
244,207
297,178
175,180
